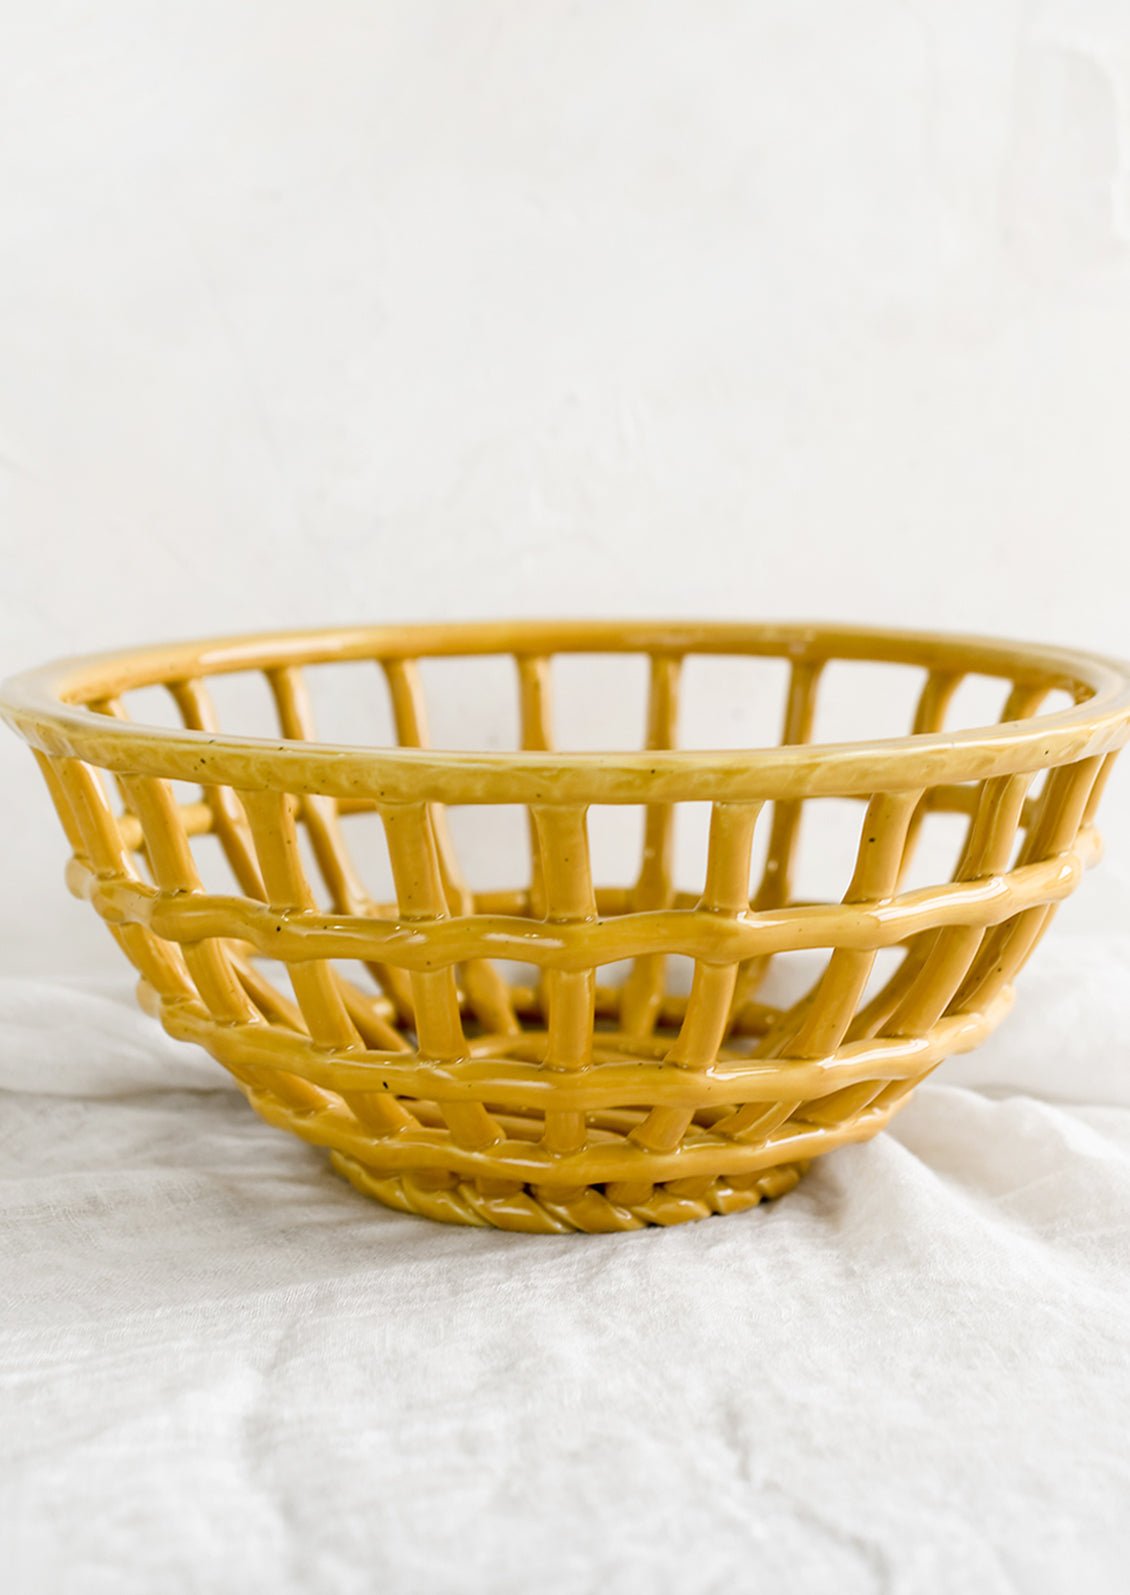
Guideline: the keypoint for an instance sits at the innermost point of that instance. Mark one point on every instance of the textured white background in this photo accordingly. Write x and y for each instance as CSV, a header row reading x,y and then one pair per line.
x,y
372,311
368,311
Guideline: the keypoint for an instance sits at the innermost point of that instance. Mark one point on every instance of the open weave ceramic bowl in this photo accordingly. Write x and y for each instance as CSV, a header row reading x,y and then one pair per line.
x,y
591,1088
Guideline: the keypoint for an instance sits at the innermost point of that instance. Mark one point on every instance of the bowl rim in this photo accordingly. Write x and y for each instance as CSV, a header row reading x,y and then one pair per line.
x,y
40,705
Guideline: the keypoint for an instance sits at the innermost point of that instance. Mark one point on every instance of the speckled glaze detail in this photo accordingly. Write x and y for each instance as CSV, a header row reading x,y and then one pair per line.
x,y
443,1089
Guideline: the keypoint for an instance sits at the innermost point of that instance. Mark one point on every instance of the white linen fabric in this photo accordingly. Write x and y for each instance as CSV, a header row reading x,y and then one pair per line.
x,y
223,1369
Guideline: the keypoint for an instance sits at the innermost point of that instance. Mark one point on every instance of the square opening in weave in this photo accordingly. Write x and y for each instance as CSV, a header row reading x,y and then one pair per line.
x,y
471,702
213,866
349,704
616,838
243,703
154,706
691,847
789,977
935,852
978,701
732,701
492,845
599,701
363,834
861,700
827,842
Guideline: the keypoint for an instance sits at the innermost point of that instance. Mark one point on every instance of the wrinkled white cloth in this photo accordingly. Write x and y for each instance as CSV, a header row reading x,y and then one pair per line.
x,y
223,1370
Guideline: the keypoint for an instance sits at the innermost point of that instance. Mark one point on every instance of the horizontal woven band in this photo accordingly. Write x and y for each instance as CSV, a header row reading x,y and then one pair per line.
x,y
47,708
521,1085
709,937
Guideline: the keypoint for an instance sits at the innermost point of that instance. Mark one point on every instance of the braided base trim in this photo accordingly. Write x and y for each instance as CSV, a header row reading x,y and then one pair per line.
x,y
542,1211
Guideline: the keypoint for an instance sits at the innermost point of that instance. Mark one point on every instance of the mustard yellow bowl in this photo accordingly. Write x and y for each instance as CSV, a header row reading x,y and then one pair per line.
x,y
527,1053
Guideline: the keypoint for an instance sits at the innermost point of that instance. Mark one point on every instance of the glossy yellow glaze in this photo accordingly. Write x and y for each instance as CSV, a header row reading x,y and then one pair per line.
x,y
570,1104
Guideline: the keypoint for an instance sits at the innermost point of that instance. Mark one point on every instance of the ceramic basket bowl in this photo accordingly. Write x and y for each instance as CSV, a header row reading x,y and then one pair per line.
x,y
546,1050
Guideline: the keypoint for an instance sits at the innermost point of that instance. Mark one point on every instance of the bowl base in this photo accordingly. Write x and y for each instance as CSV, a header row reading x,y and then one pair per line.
x,y
544,1210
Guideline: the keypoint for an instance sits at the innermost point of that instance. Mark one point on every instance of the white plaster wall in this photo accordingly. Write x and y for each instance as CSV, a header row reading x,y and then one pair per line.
x,y
362,310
